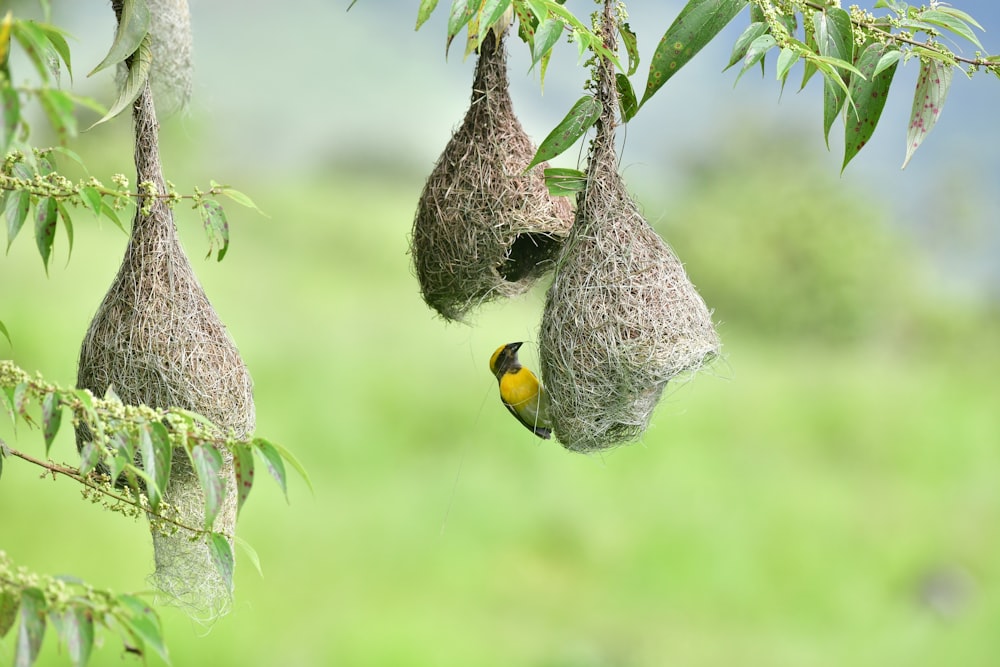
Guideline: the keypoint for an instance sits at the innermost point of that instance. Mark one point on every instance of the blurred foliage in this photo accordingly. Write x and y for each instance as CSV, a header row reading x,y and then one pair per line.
x,y
823,506
778,246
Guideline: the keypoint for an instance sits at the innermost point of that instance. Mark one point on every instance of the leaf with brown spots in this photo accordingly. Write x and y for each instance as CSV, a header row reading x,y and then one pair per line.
x,y
697,24
869,95
928,98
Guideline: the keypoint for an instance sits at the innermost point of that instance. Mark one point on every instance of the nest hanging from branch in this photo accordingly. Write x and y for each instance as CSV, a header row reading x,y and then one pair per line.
x,y
156,340
621,316
483,228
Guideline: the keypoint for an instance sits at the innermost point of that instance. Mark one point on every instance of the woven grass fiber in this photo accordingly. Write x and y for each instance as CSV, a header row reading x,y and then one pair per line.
x,y
621,317
485,230
156,340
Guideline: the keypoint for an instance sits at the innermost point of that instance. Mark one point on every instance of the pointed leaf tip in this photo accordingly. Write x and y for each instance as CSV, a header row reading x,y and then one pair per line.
x,y
580,118
696,25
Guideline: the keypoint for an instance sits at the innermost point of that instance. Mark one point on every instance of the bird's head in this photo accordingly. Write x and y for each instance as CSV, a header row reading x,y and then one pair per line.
x,y
505,358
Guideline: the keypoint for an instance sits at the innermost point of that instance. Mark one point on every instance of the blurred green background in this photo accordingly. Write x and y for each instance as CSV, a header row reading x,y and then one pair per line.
x,y
826,494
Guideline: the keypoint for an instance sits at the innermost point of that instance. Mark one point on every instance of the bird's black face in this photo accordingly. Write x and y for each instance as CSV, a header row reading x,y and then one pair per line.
x,y
506,358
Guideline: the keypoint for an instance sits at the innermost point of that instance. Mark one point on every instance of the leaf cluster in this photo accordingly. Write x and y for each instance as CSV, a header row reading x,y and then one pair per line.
x,y
73,609
31,188
127,461
855,52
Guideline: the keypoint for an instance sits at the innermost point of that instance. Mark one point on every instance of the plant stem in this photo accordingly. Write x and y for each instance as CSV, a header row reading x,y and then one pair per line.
x,y
58,469
976,62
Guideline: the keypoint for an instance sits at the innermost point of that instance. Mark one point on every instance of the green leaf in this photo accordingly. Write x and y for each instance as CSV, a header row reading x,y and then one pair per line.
x,y
757,50
250,552
213,217
958,14
584,37
949,21
59,109
11,107
20,397
424,12
580,118
124,454
130,35
933,83
869,95
238,197
46,215
272,461
135,81
8,403
538,8
9,604
156,453
460,14
38,49
141,620
565,182
697,24
292,461
809,67
92,198
888,59
786,58
548,33
16,210
75,627
207,466
90,456
492,12
631,47
243,463
5,333
110,214
57,38
834,39
68,226
626,97
743,42
32,628
51,417
222,557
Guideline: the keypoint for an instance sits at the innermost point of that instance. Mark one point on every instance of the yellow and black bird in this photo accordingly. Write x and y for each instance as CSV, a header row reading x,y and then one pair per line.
x,y
521,391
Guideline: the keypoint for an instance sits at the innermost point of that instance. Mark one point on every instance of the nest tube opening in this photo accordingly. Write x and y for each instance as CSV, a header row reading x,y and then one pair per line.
x,y
484,228
621,317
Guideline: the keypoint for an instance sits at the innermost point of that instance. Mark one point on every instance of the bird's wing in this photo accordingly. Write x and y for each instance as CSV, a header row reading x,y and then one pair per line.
x,y
520,393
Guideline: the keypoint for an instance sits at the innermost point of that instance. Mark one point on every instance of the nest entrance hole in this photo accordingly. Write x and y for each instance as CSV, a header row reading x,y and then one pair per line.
x,y
530,255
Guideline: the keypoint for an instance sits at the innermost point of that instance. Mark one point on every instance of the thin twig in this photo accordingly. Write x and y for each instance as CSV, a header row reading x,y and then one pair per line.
x,y
56,468
977,62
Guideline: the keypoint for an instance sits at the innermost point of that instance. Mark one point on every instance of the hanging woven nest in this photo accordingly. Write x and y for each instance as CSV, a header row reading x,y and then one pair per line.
x,y
483,228
156,340
621,317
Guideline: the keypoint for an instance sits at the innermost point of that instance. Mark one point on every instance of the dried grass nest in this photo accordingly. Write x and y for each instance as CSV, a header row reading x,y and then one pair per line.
x,y
621,317
156,339
484,229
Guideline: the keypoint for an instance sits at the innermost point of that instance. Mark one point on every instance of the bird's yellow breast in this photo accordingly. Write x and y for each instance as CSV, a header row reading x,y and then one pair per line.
x,y
519,387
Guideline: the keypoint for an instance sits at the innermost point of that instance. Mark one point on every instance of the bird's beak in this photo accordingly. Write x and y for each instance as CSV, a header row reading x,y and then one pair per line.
x,y
514,347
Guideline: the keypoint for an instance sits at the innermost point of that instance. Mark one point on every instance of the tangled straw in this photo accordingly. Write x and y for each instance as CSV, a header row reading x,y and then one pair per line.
x,y
621,317
484,229
156,340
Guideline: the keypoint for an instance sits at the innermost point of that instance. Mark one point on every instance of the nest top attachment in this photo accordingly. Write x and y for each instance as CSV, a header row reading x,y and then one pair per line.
x,y
484,229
